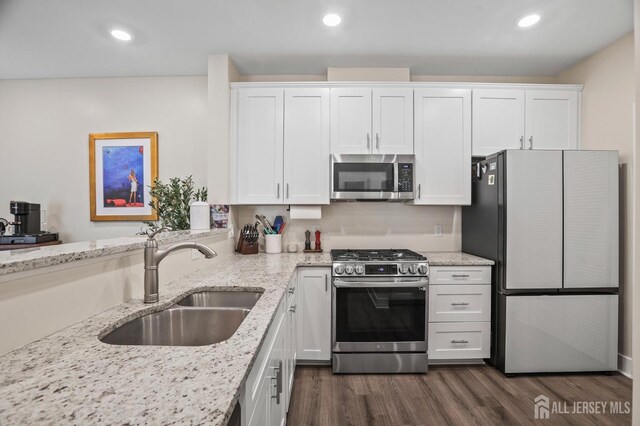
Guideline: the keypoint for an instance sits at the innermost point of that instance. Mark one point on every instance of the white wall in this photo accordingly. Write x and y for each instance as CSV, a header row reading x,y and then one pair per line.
x,y
370,225
45,137
607,123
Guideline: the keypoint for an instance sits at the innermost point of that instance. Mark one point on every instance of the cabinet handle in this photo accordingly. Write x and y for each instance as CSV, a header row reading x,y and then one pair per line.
x,y
462,276
292,309
292,290
278,384
368,142
326,283
459,341
278,191
521,142
530,142
419,191
377,141
287,190
459,303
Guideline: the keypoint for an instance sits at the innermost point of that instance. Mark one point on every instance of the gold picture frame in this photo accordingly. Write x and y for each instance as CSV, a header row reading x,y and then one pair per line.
x,y
122,167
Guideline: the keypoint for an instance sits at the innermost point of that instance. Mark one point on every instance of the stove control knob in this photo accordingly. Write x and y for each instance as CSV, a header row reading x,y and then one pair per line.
x,y
403,269
413,269
423,269
339,269
359,269
349,269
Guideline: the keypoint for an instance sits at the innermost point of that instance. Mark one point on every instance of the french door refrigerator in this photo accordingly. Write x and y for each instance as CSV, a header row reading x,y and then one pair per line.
x,y
549,219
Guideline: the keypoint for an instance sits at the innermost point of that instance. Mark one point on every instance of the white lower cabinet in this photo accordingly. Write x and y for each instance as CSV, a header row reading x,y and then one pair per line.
x,y
266,394
459,313
314,321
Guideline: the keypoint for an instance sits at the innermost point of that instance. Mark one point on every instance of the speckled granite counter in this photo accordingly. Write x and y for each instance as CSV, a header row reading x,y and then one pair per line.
x,y
446,258
27,259
72,377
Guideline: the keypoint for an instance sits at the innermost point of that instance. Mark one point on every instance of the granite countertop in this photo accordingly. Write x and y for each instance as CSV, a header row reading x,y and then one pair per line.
x,y
27,259
72,377
456,258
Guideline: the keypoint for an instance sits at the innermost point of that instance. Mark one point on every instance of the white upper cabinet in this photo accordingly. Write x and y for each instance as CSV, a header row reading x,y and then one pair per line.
x,y
350,121
392,121
551,119
306,146
260,145
443,146
524,119
498,120
371,121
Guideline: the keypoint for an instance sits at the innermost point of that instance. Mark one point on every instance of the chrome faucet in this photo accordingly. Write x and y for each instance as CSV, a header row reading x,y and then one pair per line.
x,y
153,256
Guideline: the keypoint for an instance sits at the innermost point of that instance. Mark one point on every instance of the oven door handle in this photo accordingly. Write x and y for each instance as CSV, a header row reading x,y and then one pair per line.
x,y
338,283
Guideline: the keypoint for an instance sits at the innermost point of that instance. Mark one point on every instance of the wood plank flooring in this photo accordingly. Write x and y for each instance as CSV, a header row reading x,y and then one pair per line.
x,y
460,395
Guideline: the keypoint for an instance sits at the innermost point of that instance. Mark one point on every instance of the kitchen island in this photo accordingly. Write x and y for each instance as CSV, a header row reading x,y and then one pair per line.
x,y
71,376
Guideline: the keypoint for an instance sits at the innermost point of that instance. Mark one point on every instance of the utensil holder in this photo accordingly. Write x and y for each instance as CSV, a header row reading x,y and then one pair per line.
x,y
273,243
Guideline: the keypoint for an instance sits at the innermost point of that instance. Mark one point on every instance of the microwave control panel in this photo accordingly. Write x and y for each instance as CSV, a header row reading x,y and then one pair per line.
x,y
405,177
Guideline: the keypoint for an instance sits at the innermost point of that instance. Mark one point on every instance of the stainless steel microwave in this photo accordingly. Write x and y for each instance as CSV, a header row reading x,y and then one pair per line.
x,y
364,177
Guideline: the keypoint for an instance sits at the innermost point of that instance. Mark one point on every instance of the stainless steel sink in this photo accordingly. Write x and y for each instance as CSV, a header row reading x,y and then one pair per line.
x,y
179,327
227,299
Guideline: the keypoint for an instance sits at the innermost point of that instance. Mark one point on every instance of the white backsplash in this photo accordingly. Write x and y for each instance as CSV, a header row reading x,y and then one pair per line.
x,y
370,225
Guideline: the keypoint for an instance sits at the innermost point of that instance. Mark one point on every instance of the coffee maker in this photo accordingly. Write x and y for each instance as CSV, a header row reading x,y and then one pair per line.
x,y
27,225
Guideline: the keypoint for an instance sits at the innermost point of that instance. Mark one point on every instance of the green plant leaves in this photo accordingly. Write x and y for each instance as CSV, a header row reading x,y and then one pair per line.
x,y
172,202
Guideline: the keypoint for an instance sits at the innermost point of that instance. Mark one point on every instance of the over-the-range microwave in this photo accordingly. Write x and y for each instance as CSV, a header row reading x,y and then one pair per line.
x,y
365,177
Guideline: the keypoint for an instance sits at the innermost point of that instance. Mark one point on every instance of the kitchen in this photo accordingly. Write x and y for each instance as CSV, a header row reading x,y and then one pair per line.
x,y
231,127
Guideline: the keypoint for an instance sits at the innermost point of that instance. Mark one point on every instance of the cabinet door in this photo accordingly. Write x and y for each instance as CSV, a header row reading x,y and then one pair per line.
x,y
306,146
314,320
260,146
392,121
534,219
277,412
443,146
498,120
350,121
551,119
290,342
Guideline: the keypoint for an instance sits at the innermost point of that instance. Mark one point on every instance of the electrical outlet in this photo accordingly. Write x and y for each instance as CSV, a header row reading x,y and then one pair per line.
x,y
195,254
437,230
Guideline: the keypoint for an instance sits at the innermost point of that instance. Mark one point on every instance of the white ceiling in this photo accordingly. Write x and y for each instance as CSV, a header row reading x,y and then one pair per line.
x,y
70,38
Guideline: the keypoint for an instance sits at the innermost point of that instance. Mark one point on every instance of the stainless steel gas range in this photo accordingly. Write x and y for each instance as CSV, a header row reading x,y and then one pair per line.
x,y
379,311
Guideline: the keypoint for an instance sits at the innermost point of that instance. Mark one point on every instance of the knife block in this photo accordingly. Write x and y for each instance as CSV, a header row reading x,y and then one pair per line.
x,y
246,248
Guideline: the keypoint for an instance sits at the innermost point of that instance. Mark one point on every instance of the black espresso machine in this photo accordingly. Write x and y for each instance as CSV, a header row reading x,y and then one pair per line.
x,y
26,225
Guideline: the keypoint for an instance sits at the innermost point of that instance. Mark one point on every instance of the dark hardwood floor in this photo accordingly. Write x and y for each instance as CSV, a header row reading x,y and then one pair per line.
x,y
460,395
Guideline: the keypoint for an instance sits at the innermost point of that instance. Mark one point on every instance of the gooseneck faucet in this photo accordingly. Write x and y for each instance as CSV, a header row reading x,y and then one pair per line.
x,y
153,256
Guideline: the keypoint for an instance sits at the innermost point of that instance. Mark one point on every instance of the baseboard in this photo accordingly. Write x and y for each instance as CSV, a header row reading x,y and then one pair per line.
x,y
625,366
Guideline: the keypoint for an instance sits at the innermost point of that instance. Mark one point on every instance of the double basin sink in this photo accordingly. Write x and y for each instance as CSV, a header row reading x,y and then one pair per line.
x,y
199,319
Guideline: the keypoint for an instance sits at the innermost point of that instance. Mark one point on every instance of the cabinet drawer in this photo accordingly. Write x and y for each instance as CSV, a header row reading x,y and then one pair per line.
x,y
459,303
460,275
459,340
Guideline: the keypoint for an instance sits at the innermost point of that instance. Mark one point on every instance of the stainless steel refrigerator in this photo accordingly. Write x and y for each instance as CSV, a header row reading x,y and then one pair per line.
x,y
549,219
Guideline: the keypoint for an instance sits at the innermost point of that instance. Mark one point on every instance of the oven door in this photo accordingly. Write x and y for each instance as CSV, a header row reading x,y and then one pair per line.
x,y
379,315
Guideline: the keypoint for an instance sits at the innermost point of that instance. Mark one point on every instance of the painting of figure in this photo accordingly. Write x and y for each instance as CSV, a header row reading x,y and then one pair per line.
x,y
122,168
122,175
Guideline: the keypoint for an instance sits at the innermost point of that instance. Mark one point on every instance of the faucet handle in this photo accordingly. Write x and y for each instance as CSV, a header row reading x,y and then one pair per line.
x,y
153,234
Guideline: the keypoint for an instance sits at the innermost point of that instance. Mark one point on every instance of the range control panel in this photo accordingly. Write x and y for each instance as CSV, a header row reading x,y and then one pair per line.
x,y
381,269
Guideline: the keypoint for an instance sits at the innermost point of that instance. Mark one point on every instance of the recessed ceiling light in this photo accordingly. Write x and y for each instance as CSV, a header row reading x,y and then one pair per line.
x,y
528,21
121,35
331,20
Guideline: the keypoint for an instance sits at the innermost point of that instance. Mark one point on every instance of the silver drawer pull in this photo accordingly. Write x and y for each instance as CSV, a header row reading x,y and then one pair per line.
x,y
459,303
292,309
459,341
464,276
292,290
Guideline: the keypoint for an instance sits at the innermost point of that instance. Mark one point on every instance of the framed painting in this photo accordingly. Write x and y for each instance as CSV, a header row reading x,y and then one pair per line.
x,y
122,166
